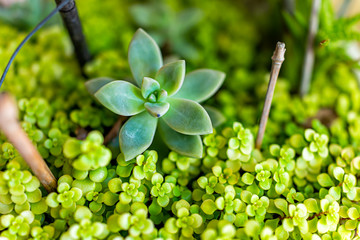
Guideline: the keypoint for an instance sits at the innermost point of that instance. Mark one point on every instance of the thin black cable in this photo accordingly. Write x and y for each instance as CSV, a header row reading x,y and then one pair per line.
x,y
58,8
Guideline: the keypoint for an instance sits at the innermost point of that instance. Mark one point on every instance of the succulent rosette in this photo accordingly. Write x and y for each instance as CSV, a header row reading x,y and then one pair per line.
x,y
163,97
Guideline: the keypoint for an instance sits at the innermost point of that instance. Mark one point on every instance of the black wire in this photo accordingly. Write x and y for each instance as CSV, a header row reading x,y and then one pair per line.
x,y
60,6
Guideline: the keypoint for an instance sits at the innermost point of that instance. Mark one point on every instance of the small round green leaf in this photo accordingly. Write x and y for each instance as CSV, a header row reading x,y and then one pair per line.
x,y
121,97
338,173
312,205
247,178
144,56
325,180
187,117
208,206
137,135
288,225
282,204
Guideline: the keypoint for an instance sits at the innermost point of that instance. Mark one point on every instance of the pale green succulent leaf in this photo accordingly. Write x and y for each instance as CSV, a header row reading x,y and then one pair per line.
x,y
201,84
144,56
95,84
187,117
121,97
187,145
171,76
157,109
137,135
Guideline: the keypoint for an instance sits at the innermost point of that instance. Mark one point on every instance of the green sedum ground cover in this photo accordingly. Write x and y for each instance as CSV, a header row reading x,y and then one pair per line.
x,y
302,184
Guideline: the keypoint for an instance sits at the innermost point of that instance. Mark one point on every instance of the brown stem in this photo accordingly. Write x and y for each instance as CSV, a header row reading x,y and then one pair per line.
x,y
115,129
310,54
317,215
277,60
10,126
72,23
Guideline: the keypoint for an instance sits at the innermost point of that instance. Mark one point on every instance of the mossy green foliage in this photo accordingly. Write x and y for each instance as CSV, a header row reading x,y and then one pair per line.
x,y
302,184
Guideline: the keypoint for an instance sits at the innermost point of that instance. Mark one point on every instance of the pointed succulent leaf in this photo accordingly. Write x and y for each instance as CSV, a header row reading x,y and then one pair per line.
x,y
187,117
137,135
95,84
201,84
216,117
188,145
148,86
121,97
144,56
171,76
157,109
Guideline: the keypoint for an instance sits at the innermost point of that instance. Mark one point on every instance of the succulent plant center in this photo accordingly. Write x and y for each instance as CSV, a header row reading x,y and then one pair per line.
x,y
157,96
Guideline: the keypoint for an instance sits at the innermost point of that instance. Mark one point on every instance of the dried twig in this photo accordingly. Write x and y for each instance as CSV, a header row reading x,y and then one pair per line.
x,y
10,126
309,58
115,129
72,22
277,60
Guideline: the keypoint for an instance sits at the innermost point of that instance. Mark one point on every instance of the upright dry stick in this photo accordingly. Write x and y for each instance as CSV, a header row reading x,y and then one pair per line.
x,y
72,23
10,126
309,54
277,60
